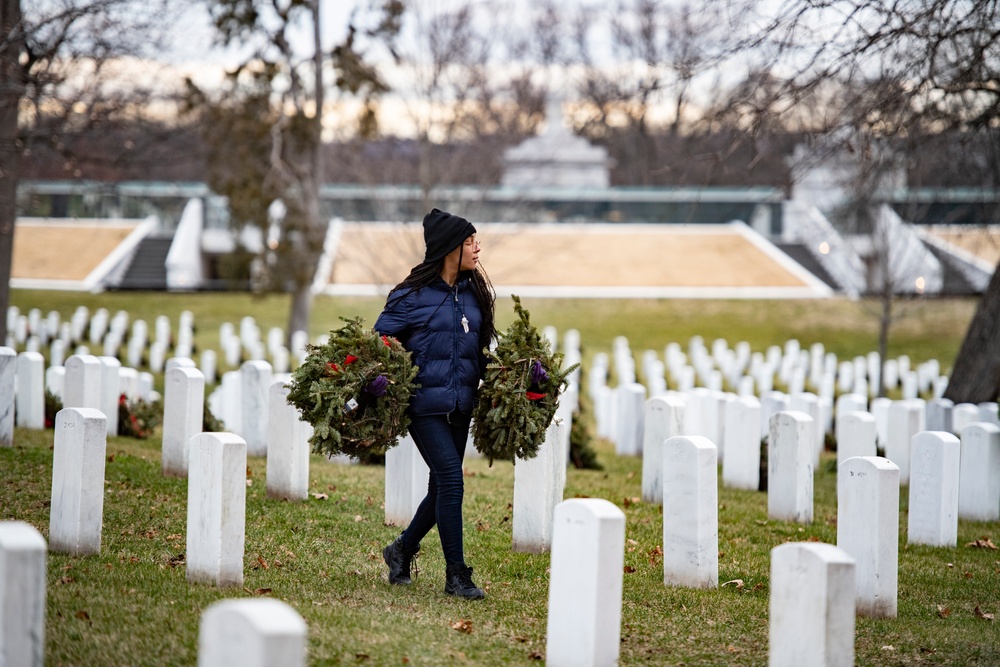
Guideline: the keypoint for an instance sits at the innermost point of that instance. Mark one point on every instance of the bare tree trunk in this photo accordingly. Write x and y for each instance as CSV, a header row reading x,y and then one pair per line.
x,y
975,377
11,92
313,236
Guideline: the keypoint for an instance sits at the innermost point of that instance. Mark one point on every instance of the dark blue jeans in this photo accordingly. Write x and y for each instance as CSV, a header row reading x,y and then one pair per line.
x,y
441,441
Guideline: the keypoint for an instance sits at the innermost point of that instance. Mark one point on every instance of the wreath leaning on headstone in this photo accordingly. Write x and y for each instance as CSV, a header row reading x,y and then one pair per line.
x,y
354,390
520,392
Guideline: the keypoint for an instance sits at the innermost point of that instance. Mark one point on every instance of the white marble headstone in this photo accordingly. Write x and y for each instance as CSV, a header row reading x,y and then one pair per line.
x,y
255,383
76,513
183,417
585,594
932,516
536,494
664,419
790,467
287,448
741,467
30,401
690,512
868,530
254,632
905,419
856,435
811,606
979,495
82,383
631,406
406,476
22,594
216,509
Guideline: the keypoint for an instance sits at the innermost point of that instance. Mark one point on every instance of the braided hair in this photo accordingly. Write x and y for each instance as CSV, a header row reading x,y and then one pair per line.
x,y
425,273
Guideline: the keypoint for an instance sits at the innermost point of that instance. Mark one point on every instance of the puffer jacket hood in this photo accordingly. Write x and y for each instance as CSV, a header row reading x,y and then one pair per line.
x,y
428,322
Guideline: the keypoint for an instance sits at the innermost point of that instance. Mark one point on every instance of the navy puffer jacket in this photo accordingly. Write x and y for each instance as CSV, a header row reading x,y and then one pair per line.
x,y
428,322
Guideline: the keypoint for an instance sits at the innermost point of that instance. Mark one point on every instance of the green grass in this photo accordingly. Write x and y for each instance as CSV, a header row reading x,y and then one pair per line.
x,y
132,605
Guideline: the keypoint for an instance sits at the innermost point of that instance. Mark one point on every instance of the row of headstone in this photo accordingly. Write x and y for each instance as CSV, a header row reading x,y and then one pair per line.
x,y
216,472
232,633
755,373
84,331
813,594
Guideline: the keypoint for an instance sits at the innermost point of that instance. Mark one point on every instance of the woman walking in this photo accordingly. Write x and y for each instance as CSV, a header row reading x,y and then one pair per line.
x,y
443,314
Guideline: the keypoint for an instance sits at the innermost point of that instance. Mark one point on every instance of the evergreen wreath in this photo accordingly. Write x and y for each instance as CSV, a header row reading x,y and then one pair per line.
x,y
354,390
520,392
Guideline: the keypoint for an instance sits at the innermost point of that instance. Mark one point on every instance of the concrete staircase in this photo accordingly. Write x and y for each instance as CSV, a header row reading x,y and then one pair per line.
x,y
148,268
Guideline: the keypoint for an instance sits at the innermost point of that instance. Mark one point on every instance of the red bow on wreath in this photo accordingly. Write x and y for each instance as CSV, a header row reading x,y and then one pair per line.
x,y
534,395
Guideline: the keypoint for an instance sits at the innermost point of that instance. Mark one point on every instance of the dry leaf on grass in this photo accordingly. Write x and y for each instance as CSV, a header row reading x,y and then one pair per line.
x,y
262,591
738,583
463,625
982,543
320,496
943,612
982,614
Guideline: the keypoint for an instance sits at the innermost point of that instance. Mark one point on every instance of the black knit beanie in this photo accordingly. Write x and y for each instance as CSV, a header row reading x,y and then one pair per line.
x,y
443,232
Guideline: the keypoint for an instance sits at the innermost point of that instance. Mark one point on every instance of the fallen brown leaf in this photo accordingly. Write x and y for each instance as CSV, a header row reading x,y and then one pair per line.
x,y
535,655
463,625
738,583
982,543
982,614
320,496
84,616
262,591
943,612
629,569
263,563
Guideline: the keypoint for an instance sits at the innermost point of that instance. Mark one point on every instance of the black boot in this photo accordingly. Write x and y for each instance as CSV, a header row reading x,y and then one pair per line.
x,y
459,582
398,560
